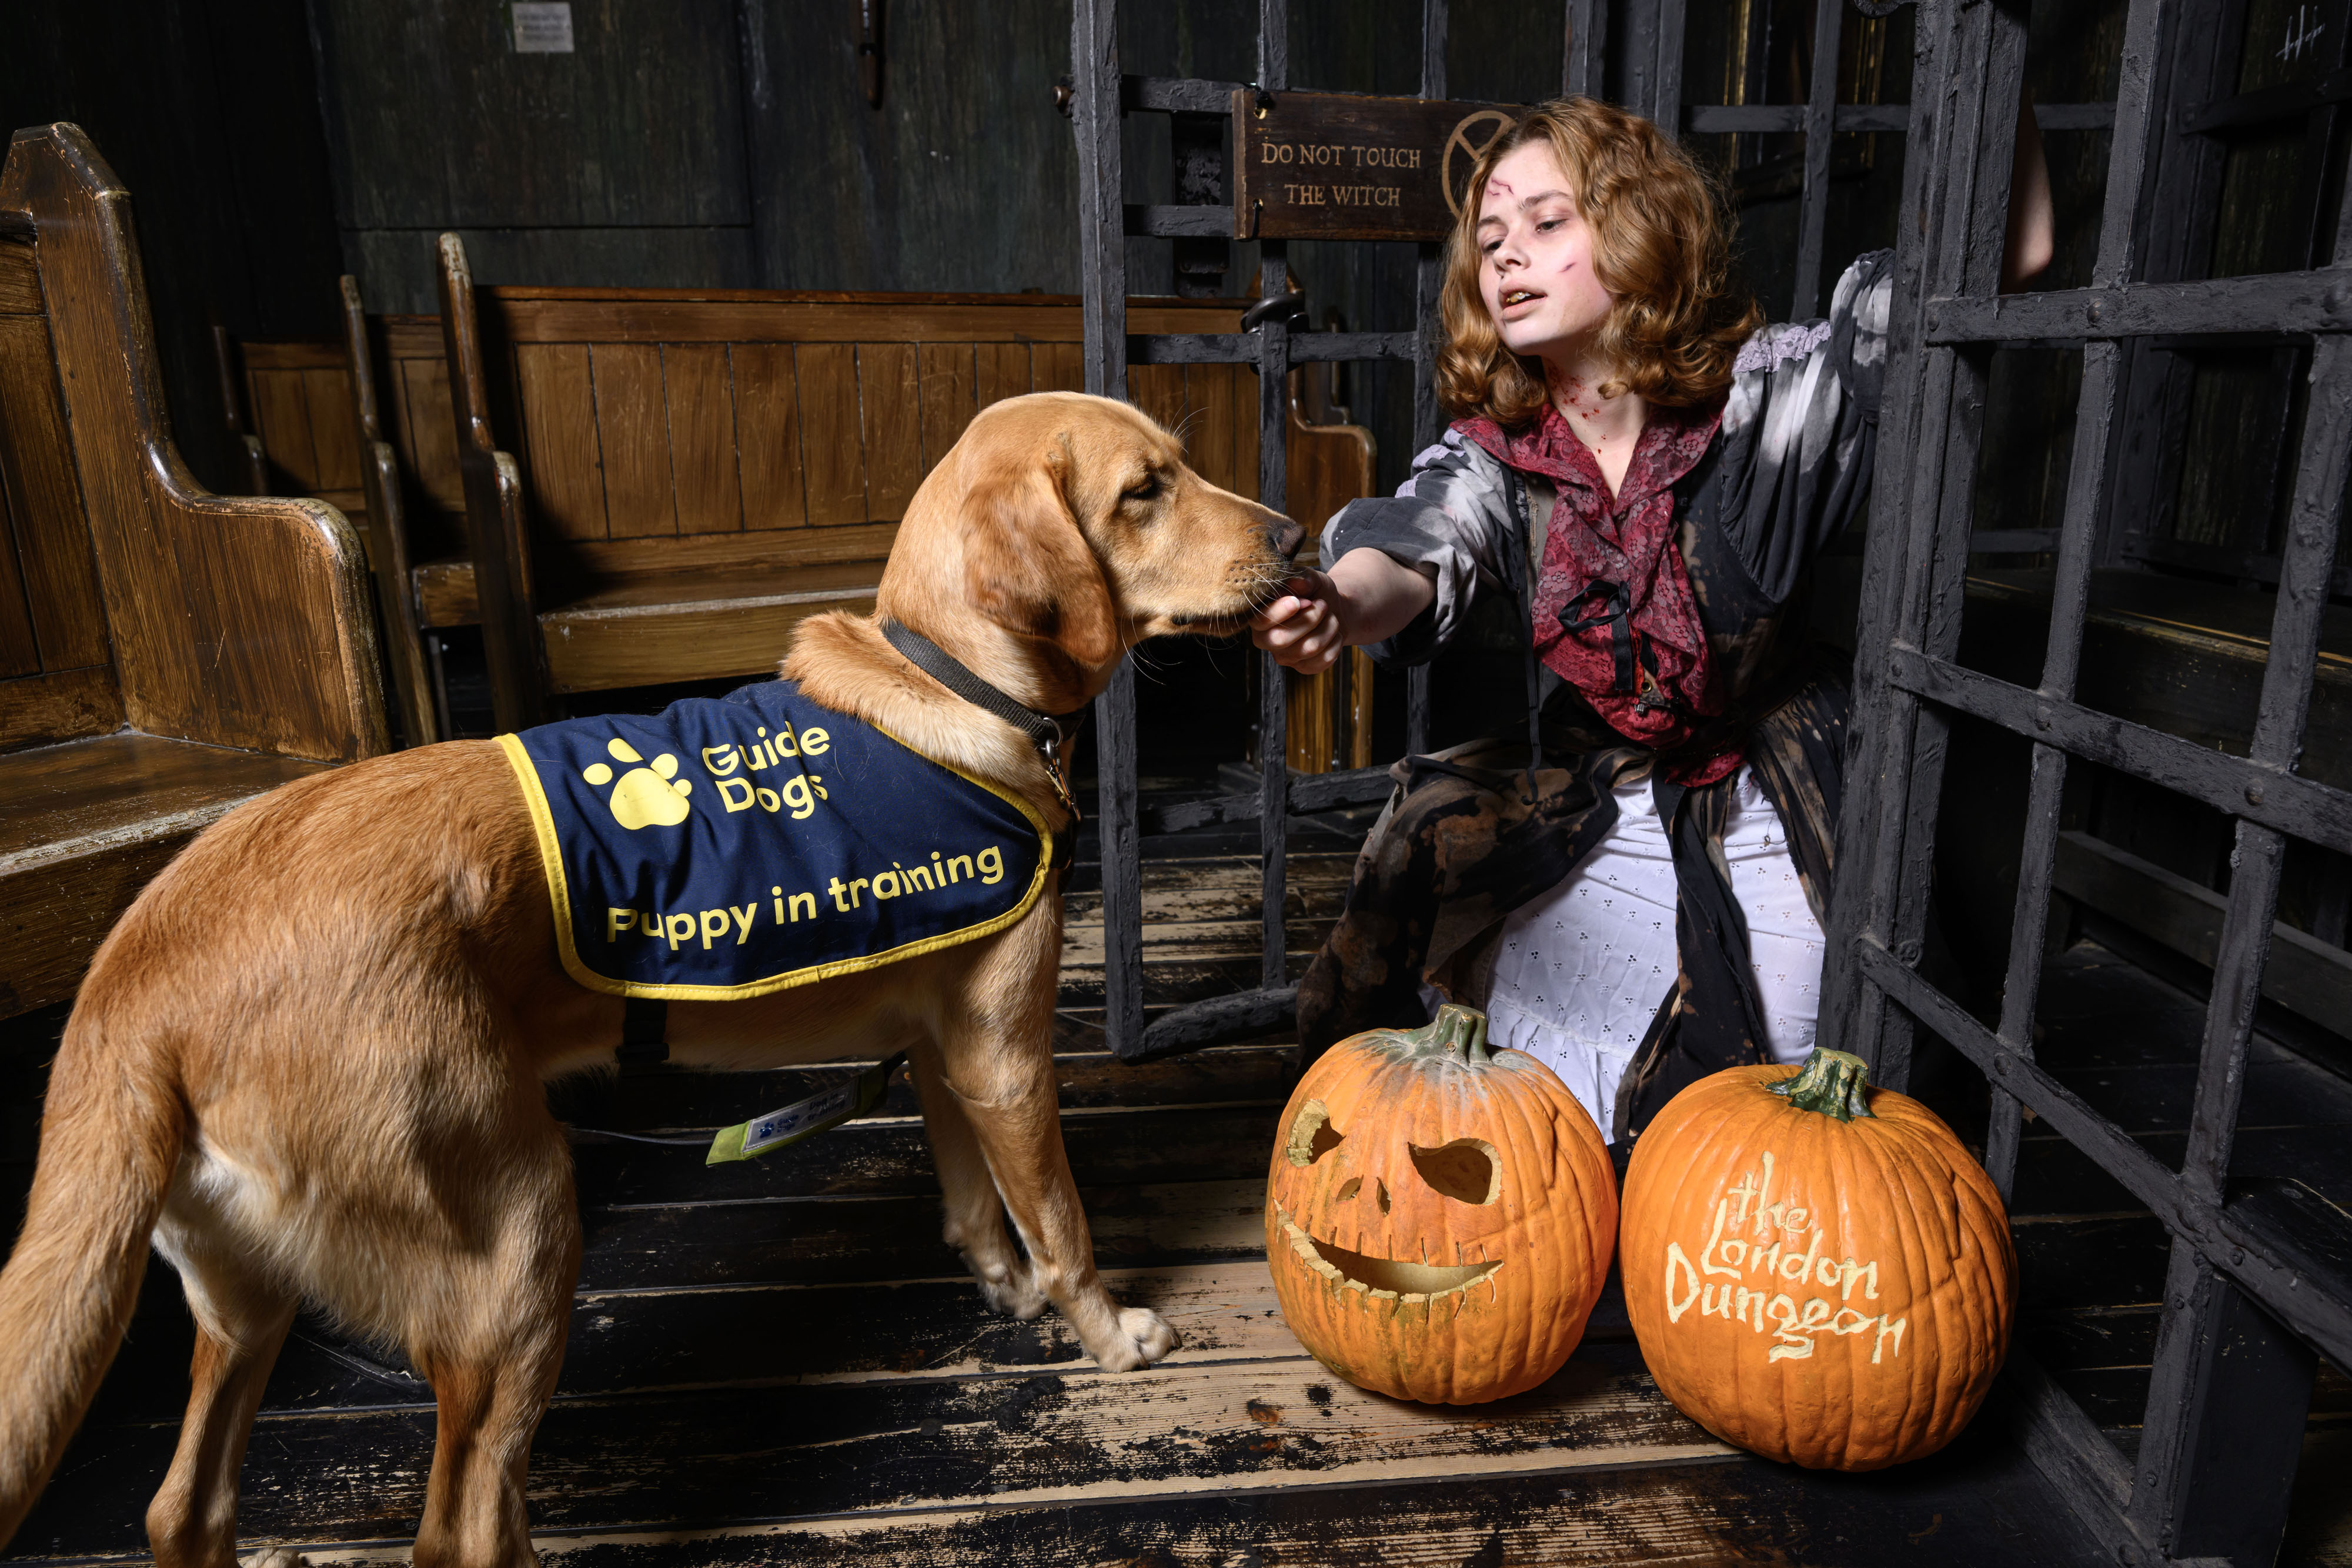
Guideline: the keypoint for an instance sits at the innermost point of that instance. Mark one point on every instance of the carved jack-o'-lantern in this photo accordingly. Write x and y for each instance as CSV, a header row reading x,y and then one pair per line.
x,y
1439,1218
1816,1270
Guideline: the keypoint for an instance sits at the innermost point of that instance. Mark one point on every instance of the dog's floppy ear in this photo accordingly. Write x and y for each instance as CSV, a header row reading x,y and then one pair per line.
x,y
1029,568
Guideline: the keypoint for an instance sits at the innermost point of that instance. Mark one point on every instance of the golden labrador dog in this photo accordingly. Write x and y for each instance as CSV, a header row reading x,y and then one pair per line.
x,y
311,1060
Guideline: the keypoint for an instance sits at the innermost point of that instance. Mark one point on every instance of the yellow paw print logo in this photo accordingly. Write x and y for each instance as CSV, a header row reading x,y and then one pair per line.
x,y
646,797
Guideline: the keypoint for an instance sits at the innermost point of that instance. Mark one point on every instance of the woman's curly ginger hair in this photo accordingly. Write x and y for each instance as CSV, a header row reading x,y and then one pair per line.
x,y
1661,246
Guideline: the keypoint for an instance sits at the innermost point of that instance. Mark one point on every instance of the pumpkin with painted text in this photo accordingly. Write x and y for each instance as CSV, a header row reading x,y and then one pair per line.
x,y
1439,1216
1816,1270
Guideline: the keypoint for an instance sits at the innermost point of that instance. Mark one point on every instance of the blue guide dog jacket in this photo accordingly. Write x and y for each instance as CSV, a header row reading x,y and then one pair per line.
x,y
730,847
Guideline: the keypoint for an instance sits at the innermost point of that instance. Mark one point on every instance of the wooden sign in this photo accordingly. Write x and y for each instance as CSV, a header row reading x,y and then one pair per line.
x,y
1332,166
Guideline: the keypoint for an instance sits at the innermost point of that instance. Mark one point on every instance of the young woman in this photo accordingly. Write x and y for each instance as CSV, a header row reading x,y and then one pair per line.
x,y
1633,890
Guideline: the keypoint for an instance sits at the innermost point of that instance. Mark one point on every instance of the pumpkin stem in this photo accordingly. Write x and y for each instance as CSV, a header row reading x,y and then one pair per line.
x,y
1834,1083
1456,1028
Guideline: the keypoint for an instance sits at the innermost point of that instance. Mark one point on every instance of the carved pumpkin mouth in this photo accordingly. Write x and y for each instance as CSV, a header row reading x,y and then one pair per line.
x,y
1389,1276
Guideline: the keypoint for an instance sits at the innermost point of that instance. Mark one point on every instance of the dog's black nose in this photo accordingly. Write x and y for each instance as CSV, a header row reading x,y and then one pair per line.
x,y
1287,537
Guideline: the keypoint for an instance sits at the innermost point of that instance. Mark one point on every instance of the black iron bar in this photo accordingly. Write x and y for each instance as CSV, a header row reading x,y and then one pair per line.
x,y
2279,302
2271,796
2247,1252
2227,1400
2012,541
1273,490
2270,105
1188,221
1273,44
1665,106
2071,591
1586,35
1102,249
1273,706
1852,1007
1720,119
1180,95
1432,48
1429,333
2088,1472
2256,863
1813,210
1309,794
1985,48
1242,348
2184,184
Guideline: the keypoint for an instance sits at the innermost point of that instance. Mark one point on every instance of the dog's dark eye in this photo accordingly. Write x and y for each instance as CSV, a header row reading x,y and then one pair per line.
x,y
1144,490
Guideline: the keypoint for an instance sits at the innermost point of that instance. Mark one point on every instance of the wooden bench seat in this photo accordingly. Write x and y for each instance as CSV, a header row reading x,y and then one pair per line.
x,y
2174,653
165,653
2185,657
84,825
298,392
700,625
660,483
699,470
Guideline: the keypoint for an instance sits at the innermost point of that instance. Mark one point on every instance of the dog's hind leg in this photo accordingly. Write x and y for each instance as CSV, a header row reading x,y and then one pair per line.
x,y
492,1362
1003,1080
241,1320
974,1217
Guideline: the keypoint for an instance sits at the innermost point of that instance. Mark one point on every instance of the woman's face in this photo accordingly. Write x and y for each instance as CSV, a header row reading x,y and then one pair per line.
x,y
1535,257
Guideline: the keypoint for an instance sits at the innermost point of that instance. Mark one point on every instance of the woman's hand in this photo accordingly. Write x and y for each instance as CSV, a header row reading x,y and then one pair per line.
x,y
1303,629
1365,598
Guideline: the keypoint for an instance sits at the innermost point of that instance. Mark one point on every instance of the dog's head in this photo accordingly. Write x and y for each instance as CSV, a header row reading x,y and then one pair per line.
x,y
1072,525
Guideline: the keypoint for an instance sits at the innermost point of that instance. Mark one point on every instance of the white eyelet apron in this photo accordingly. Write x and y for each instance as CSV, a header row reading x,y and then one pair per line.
x,y
1579,972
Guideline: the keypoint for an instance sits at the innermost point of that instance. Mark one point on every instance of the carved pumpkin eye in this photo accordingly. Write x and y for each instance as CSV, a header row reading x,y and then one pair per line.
x,y
1464,1170
1312,1135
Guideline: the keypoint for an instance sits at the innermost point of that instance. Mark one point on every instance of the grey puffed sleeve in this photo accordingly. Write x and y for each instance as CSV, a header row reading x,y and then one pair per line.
x,y
1800,432
1452,515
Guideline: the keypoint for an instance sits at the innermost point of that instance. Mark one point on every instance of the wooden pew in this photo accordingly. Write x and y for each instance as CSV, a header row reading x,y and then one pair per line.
x,y
298,392
660,483
2185,657
401,403
165,653
1330,715
391,501
252,461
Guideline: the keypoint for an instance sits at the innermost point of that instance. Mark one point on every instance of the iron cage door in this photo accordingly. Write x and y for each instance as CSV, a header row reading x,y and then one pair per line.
x,y
2251,1292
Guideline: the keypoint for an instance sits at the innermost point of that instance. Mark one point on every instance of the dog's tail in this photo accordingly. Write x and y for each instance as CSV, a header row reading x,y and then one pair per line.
x,y
110,1140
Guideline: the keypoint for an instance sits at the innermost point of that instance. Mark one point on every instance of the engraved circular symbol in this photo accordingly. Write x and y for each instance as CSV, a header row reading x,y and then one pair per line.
x,y
1496,122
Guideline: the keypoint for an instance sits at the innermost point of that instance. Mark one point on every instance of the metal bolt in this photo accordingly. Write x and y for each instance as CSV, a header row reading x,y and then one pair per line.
x,y
2338,298
2253,794
1935,320
2000,1065
2237,1255
2092,312
2044,717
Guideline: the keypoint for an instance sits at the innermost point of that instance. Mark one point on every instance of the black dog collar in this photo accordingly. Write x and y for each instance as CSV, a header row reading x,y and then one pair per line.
x,y
1046,731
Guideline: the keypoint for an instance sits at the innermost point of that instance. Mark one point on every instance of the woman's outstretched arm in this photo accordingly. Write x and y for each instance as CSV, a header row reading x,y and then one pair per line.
x,y
1368,596
2032,236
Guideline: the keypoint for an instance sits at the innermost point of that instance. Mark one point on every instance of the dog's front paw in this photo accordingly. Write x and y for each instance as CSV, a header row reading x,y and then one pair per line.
x,y
1143,1337
277,1557
1009,1289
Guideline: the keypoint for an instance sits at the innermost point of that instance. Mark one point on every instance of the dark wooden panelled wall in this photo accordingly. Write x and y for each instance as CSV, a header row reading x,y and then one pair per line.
x,y
209,110
271,144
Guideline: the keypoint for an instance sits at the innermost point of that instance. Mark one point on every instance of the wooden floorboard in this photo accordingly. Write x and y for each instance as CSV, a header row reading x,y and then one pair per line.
x,y
799,1448
1973,1504
780,1362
